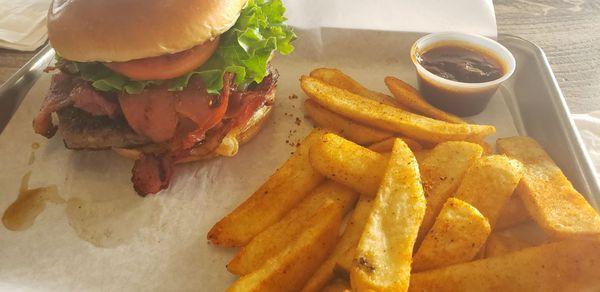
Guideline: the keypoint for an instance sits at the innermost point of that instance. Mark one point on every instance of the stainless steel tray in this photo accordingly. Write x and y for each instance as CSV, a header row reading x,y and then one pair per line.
x,y
540,111
536,102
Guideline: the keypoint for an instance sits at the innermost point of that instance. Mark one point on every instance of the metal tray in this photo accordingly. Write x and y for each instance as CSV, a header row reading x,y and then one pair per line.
x,y
530,102
540,110
536,102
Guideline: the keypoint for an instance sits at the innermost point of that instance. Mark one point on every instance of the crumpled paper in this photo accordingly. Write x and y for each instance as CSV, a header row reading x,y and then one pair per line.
x,y
471,16
23,24
589,129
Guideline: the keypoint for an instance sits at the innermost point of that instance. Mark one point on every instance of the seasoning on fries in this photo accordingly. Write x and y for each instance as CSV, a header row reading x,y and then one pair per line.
x,y
348,163
390,118
345,246
290,268
433,215
488,184
287,186
347,128
442,171
547,193
384,252
337,78
571,265
458,233
409,97
275,238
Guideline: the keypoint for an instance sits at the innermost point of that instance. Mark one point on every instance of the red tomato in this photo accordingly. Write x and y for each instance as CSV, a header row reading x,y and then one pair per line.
x,y
166,66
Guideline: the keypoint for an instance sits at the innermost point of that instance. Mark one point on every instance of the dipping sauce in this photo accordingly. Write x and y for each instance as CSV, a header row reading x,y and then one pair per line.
x,y
461,64
460,72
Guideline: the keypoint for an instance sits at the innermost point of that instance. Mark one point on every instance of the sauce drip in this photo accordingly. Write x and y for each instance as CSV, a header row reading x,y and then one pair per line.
x,y
30,203
461,64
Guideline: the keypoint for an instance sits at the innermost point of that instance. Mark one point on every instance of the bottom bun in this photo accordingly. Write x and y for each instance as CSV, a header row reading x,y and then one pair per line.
x,y
229,146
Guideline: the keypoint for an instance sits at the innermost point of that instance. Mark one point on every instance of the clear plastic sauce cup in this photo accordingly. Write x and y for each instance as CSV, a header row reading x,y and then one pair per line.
x,y
460,98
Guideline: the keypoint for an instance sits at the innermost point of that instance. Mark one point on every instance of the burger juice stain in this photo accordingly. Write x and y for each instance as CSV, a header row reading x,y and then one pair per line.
x,y
34,147
104,224
30,203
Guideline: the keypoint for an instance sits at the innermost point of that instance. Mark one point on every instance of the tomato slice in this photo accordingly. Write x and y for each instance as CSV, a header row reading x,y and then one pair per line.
x,y
166,66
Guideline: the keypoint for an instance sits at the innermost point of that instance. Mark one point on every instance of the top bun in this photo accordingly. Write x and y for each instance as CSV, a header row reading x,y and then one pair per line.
x,y
123,30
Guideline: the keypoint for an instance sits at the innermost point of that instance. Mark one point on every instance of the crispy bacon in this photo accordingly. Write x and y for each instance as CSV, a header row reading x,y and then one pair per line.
x,y
56,98
151,113
66,90
192,122
84,97
206,114
214,137
152,173
244,104
155,112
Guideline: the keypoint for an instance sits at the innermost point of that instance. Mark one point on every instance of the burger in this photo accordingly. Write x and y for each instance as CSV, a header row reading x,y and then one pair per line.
x,y
162,81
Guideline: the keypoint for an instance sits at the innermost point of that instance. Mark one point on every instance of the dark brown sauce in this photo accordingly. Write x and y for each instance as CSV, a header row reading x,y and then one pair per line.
x,y
461,64
30,203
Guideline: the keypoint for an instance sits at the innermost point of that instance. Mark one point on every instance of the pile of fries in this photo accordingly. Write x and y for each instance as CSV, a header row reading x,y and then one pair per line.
x,y
429,206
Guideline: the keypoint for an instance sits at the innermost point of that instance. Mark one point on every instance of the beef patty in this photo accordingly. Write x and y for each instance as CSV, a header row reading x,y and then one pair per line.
x,y
83,131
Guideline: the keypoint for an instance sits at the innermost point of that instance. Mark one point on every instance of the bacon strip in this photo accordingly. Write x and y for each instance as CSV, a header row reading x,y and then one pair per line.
x,y
66,90
57,98
84,97
151,113
152,173
155,112
244,104
211,114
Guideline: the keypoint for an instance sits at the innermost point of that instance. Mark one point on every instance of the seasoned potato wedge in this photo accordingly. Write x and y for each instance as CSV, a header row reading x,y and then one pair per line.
x,y
384,252
344,250
290,268
347,128
284,190
338,79
514,239
390,118
348,163
276,237
547,194
489,183
409,97
457,235
442,171
563,266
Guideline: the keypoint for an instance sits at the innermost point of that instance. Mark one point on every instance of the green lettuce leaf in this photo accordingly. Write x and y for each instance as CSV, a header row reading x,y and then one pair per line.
x,y
245,50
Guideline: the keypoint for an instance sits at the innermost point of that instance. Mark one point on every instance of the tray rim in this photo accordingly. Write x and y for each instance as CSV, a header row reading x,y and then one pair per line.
x,y
575,143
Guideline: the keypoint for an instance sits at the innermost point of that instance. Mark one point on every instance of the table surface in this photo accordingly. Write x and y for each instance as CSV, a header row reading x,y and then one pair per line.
x,y
567,30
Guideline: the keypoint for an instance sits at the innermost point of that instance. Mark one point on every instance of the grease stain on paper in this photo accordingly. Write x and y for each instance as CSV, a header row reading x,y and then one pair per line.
x,y
30,203
111,223
104,224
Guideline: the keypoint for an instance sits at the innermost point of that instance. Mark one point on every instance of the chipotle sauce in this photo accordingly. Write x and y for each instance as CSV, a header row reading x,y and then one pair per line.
x,y
459,62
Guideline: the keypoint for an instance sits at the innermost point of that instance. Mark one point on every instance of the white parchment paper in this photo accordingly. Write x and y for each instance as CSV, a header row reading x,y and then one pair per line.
x,y
106,238
473,16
